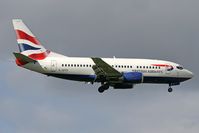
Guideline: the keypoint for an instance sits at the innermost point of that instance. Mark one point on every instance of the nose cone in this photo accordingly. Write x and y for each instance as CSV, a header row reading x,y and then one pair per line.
x,y
189,74
185,75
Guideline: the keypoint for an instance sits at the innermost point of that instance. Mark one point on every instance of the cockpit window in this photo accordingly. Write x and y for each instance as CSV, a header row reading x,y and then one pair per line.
x,y
179,67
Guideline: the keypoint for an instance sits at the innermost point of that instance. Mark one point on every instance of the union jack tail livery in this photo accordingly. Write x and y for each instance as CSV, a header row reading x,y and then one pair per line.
x,y
28,44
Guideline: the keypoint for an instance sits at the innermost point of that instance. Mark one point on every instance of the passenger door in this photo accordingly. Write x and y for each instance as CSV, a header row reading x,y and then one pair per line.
x,y
53,66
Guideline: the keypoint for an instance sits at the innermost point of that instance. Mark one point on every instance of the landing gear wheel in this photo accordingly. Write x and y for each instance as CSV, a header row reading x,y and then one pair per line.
x,y
170,89
101,89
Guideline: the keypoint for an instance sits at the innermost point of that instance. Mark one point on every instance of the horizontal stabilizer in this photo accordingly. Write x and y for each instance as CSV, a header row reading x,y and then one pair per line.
x,y
24,58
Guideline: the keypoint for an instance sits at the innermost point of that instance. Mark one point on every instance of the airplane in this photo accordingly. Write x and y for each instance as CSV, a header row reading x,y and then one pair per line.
x,y
119,73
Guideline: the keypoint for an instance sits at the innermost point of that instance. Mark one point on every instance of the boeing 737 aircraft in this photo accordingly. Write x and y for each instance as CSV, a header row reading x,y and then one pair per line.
x,y
119,73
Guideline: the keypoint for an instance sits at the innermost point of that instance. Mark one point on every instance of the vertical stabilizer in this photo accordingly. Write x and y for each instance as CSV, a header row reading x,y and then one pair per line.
x,y
28,44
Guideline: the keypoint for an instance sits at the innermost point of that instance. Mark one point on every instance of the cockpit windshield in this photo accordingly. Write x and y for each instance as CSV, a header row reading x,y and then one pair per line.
x,y
179,67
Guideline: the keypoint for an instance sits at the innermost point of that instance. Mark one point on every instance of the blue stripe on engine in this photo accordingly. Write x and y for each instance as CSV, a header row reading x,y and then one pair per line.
x,y
24,47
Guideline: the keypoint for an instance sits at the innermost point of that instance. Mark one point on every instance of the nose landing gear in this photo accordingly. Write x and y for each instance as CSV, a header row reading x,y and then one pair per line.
x,y
172,84
170,89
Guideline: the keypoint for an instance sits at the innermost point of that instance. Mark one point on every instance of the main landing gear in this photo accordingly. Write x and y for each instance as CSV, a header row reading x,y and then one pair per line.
x,y
102,88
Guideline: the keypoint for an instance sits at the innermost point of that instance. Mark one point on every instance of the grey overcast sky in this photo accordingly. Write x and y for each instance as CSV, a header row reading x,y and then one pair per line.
x,y
160,29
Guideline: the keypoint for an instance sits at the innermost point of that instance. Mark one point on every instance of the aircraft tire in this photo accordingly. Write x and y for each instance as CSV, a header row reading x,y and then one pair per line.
x,y
101,89
170,90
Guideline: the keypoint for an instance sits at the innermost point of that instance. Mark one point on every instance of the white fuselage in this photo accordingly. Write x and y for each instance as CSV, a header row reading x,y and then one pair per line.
x,y
80,69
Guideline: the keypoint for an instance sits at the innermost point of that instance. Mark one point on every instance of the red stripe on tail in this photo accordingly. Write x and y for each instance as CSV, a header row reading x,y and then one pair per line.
x,y
25,36
39,56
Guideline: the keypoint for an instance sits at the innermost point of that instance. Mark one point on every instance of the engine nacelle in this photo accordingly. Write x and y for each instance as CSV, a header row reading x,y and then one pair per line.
x,y
133,77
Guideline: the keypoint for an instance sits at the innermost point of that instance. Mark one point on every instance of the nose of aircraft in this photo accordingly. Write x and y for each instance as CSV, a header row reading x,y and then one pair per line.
x,y
189,74
185,75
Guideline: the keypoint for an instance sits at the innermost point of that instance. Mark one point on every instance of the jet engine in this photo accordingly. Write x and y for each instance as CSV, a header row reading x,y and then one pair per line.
x,y
133,77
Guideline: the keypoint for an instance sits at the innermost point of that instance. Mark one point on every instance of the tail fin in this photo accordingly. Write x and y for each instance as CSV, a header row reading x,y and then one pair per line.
x,y
27,42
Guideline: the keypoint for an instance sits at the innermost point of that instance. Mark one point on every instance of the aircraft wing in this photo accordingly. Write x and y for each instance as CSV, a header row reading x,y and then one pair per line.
x,y
104,71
